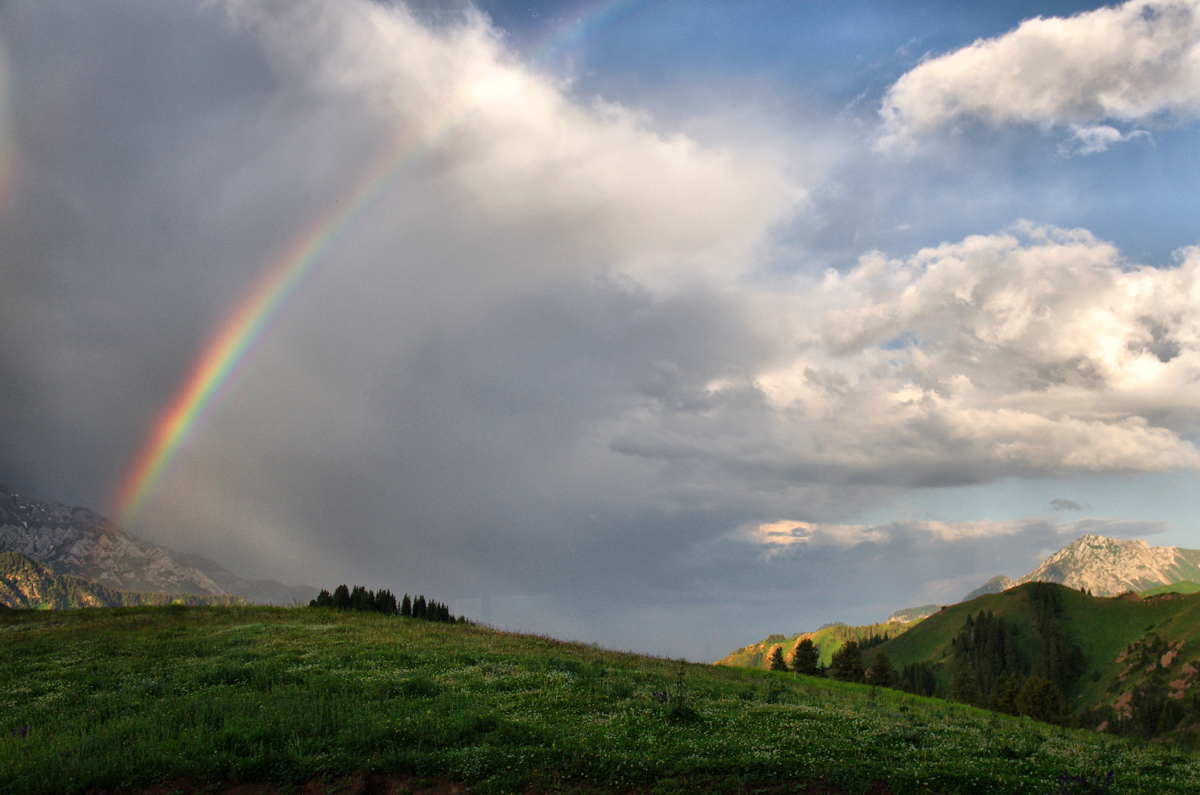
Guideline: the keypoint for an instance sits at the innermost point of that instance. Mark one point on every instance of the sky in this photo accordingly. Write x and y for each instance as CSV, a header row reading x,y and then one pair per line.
x,y
658,325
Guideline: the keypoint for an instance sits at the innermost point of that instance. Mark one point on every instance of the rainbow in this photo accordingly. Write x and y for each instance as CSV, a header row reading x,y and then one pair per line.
x,y
229,349
597,15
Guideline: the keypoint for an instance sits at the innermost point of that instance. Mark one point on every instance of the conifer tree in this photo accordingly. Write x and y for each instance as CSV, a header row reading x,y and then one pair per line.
x,y
918,678
1004,695
965,688
385,602
881,673
805,658
406,607
1041,699
777,663
361,599
418,608
847,664
341,598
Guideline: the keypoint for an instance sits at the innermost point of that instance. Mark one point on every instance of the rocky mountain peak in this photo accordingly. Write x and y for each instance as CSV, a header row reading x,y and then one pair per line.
x,y
78,542
1091,544
1107,567
1110,566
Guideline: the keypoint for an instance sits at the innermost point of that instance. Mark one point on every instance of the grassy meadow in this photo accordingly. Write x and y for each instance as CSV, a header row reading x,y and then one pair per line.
x,y
126,697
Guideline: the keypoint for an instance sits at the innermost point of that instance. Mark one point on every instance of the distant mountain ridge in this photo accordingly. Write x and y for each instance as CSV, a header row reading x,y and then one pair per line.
x,y
828,639
77,542
29,584
261,591
1102,566
1107,567
910,614
997,584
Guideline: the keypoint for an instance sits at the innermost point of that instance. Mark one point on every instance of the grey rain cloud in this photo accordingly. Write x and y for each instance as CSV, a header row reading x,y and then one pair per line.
x,y
553,367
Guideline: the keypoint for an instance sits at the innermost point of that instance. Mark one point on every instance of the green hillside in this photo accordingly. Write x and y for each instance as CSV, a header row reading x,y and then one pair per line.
x,y
827,640
1185,587
198,699
1132,651
27,583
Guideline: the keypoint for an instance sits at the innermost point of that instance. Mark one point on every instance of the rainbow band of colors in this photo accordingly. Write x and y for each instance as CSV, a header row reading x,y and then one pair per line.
x,y
228,351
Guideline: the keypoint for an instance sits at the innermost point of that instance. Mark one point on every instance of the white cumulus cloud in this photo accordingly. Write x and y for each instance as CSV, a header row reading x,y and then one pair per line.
x,y
792,537
522,148
1034,352
1128,63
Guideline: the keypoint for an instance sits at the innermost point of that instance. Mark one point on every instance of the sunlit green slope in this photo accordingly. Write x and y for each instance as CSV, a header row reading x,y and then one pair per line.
x,y
1126,642
1185,587
827,640
192,699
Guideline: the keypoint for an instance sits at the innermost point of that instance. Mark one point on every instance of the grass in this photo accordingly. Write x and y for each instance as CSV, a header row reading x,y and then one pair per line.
x,y
125,697
827,640
1102,627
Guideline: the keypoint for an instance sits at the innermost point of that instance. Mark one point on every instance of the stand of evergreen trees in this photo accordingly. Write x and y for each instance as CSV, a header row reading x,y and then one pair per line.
x,y
918,678
991,672
360,599
846,664
877,639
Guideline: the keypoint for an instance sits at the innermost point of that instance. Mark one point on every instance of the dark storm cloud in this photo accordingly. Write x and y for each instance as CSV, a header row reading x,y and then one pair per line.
x,y
133,126
549,361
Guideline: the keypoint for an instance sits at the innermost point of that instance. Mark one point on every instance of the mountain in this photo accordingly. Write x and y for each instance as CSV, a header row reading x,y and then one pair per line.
x,y
78,542
270,592
1108,566
1102,566
1137,669
995,585
1105,567
909,614
26,583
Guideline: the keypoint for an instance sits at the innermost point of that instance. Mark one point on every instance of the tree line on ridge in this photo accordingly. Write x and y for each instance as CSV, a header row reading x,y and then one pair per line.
x,y
846,664
359,599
